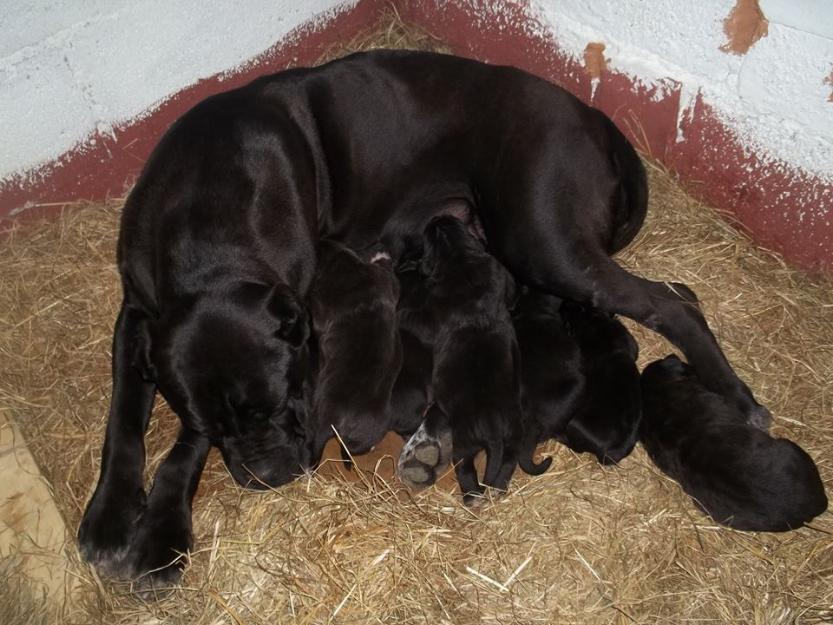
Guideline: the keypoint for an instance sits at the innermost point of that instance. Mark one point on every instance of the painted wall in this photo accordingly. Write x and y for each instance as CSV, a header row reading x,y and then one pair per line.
x,y
775,95
748,128
743,113
71,70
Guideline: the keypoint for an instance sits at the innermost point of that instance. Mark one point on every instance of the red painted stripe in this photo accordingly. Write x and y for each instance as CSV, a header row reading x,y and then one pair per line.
x,y
781,207
109,166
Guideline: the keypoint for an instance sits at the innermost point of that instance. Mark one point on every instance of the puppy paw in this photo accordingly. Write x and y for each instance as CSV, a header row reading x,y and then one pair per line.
x,y
423,458
107,530
159,553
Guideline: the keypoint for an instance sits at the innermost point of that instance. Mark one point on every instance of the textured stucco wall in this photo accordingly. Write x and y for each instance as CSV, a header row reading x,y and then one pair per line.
x,y
744,118
71,68
774,96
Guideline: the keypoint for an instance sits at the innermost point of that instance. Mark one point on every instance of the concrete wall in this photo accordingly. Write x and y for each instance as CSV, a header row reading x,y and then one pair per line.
x,y
736,96
774,95
73,69
737,101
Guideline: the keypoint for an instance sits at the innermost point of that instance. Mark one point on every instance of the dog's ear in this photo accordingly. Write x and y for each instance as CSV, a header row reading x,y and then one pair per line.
x,y
511,290
290,315
428,263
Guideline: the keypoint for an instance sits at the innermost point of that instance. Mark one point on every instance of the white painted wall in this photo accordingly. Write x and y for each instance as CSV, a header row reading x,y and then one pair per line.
x,y
774,96
70,67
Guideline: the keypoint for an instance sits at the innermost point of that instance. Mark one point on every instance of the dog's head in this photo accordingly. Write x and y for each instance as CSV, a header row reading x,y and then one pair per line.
x,y
445,240
459,267
232,364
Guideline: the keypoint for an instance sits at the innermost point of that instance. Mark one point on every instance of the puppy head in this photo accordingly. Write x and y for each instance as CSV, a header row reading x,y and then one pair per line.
x,y
232,364
347,280
444,239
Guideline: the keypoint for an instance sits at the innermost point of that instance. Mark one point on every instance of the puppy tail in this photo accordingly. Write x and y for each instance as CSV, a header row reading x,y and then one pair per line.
x,y
529,466
494,461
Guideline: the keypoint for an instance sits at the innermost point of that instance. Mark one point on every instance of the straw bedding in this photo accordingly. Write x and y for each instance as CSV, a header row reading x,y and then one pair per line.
x,y
580,544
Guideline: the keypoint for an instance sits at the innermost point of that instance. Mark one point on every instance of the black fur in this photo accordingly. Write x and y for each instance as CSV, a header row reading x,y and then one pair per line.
x,y
217,243
736,473
551,374
462,312
353,307
606,422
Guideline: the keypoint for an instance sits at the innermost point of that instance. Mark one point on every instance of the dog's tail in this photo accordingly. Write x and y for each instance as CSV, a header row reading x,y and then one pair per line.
x,y
529,466
631,200
494,461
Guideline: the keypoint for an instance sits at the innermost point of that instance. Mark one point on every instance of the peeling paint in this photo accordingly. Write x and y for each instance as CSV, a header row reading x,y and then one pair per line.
x,y
744,25
595,63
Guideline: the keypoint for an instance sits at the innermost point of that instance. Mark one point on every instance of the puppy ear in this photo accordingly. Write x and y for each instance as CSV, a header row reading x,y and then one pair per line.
x,y
428,263
290,315
512,291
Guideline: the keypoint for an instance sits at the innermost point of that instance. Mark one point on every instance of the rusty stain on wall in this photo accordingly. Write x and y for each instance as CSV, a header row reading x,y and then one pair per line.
x,y
829,81
595,63
745,24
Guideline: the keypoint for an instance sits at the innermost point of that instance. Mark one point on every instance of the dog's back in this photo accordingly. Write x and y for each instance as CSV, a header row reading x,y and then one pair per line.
x,y
738,474
353,305
607,420
551,375
466,312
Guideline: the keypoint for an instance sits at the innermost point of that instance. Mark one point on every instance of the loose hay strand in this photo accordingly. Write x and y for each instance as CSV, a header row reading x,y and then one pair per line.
x,y
580,544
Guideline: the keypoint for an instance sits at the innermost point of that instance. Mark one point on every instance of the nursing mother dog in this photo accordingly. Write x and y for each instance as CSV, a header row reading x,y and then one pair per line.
x,y
217,251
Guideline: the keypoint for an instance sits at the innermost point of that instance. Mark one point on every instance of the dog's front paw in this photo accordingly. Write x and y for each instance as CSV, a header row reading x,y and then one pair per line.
x,y
159,552
107,530
425,455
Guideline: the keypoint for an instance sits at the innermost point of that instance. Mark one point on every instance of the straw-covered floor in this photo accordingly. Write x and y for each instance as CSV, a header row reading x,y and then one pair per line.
x,y
580,544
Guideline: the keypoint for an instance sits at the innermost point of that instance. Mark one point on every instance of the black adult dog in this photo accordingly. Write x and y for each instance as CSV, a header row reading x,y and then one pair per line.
x,y
736,473
217,249
353,307
606,422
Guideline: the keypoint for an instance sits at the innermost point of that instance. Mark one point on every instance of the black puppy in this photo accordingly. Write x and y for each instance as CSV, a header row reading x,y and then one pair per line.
x,y
353,306
606,420
738,474
552,375
462,311
416,418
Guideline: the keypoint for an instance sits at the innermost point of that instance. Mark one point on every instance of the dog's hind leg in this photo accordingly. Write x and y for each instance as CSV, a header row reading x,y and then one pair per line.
x,y
583,272
119,498
163,534
672,310
467,479
506,453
